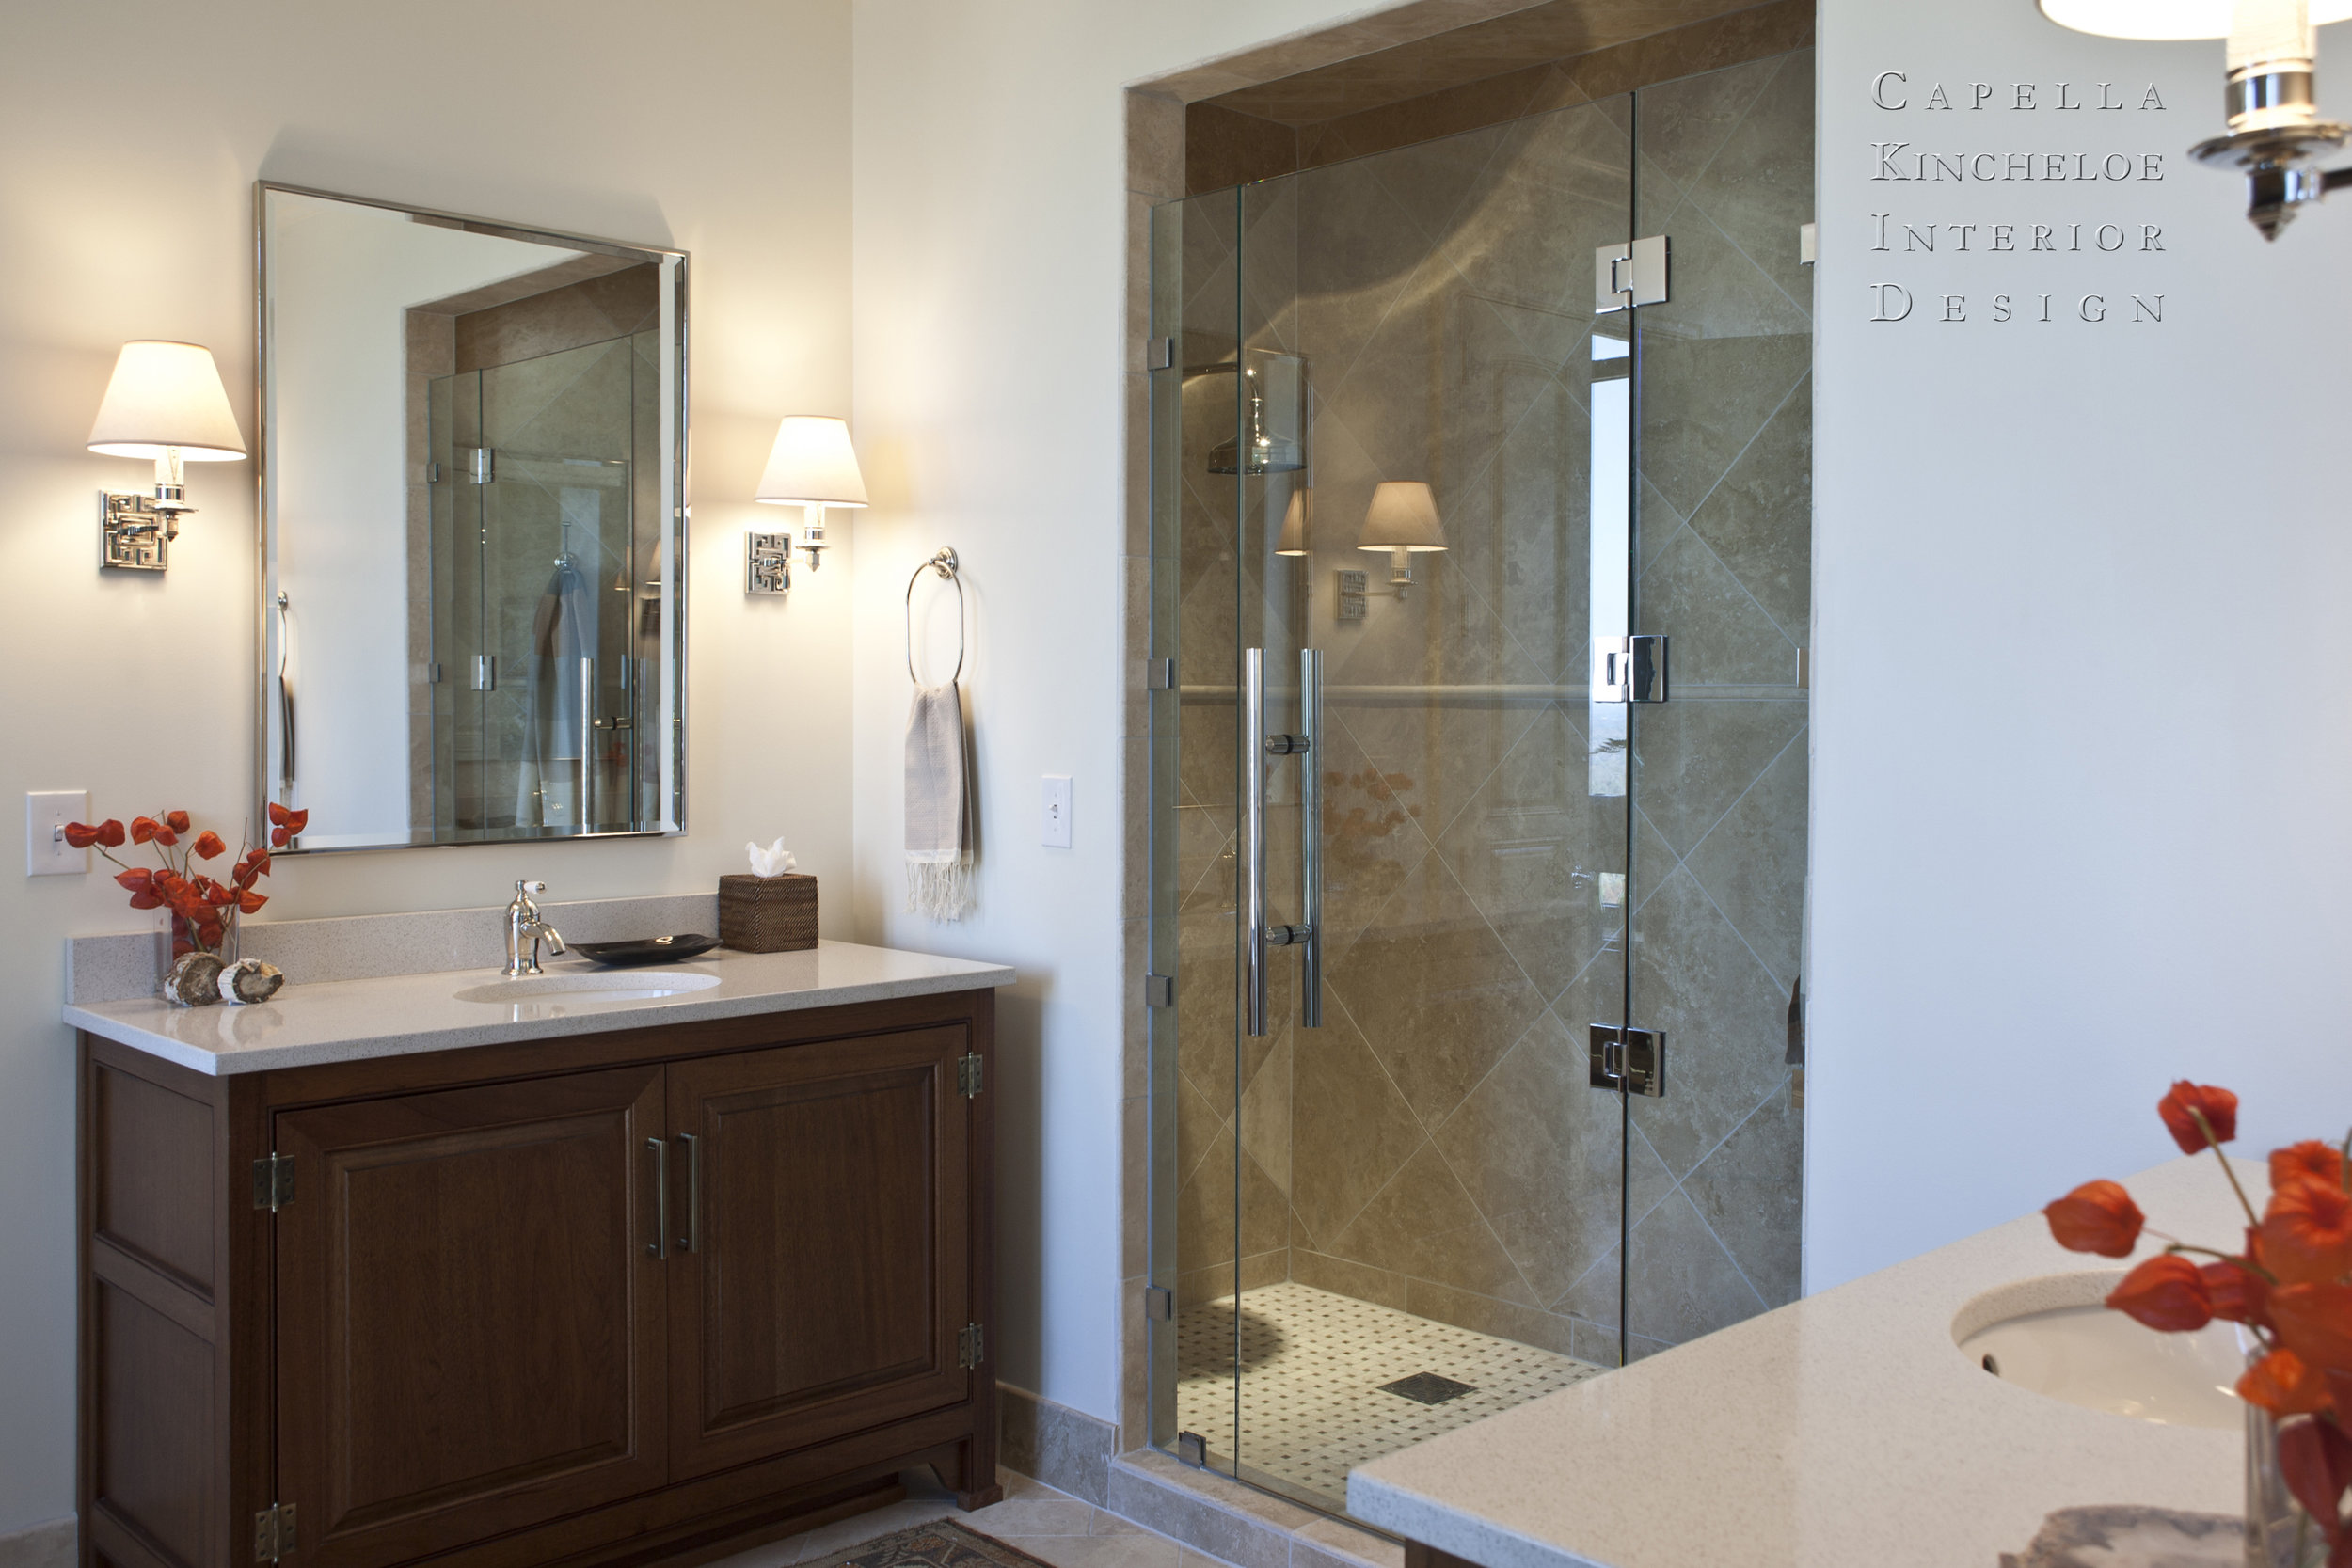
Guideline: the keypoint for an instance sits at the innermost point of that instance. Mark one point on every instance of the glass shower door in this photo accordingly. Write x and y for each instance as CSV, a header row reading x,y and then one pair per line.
x,y
536,608
1724,558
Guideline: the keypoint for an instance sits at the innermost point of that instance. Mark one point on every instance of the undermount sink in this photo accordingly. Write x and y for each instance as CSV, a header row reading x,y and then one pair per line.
x,y
2051,1336
589,989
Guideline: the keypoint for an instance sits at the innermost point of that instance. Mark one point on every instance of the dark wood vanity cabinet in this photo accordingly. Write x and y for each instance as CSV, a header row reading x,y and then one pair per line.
x,y
611,1299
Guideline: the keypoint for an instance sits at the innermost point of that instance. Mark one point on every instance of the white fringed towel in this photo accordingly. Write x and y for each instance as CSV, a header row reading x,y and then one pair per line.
x,y
939,807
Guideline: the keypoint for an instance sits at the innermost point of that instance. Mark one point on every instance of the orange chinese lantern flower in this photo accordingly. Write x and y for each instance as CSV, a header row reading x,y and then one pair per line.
x,y
2238,1294
208,845
2188,1102
2307,1232
2316,1321
176,820
2310,1158
2097,1217
143,828
2284,1385
2168,1293
2316,1462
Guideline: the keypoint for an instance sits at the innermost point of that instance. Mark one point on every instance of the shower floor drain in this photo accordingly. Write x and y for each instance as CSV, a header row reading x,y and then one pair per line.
x,y
1428,1389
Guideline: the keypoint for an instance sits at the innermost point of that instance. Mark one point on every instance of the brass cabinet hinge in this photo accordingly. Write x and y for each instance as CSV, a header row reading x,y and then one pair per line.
x,y
273,1182
274,1532
969,1346
969,1069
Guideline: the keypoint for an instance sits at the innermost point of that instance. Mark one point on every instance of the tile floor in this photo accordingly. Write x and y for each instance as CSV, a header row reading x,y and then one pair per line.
x,y
1312,1407
1066,1531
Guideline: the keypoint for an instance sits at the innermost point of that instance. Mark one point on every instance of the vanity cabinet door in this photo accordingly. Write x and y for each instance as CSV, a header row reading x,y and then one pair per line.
x,y
820,1208
471,1322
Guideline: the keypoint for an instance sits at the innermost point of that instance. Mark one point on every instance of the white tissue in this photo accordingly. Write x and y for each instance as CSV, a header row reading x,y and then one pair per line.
x,y
774,860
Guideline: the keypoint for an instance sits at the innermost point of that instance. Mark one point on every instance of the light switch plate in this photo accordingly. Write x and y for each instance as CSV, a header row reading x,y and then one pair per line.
x,y
46,813
1056,806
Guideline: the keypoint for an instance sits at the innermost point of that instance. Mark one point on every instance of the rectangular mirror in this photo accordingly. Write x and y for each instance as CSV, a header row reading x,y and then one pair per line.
x,y
473,502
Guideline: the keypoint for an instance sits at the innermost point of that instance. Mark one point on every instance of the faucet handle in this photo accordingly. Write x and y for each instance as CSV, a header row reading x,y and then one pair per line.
x,y
530,887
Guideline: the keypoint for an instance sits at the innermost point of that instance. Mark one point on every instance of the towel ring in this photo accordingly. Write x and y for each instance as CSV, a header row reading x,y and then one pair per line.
x,y
944,563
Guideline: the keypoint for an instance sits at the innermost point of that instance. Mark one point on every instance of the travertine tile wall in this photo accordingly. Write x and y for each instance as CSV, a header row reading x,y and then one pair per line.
x,y
1434,1147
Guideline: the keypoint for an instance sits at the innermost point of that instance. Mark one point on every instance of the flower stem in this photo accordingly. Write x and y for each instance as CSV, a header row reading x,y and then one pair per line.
x,y
2214,1144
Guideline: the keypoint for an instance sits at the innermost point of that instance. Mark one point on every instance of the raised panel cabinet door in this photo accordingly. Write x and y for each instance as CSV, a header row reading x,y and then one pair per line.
x,y
472,1323
820,1201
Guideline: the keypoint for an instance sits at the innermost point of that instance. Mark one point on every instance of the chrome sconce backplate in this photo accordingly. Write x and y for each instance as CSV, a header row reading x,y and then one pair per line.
x,y
767,563
136,532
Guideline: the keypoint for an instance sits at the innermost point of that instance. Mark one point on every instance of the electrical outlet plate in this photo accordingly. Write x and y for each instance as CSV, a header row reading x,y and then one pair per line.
x,y
46,813
1055,806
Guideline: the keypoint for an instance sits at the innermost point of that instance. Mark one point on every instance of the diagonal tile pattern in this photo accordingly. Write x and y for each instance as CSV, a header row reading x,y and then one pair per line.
x,y
1435,1147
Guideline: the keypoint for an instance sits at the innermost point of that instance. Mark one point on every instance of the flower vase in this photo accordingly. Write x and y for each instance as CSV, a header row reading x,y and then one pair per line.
x,y
2278,1534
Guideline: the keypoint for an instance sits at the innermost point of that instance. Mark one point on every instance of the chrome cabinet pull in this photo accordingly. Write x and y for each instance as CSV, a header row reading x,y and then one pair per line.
x,y
1311,836
1253,837
692,1239
660,1246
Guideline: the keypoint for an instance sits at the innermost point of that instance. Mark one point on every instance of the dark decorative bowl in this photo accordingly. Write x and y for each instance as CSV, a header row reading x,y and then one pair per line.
x,y
651,950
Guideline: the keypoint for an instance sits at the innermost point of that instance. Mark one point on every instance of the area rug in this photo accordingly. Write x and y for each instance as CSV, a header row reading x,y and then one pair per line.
x,y
942,1544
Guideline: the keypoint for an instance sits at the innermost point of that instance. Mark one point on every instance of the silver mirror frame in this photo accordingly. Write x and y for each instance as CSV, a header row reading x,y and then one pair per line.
x,y
265,525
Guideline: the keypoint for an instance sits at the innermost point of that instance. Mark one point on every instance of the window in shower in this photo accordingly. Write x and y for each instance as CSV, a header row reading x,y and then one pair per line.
x,y
1394,1201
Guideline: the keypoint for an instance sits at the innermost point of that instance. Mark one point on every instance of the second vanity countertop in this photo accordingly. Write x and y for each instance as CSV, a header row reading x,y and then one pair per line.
x,y
1847,1427
348,1021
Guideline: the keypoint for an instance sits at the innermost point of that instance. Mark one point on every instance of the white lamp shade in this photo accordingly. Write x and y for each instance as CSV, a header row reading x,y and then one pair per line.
x,y
2166,19
1294,539
166,395
1403,517
812,464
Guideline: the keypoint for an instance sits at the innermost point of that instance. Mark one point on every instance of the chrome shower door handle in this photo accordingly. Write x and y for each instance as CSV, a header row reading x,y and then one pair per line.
x,y
1253,764
1311,836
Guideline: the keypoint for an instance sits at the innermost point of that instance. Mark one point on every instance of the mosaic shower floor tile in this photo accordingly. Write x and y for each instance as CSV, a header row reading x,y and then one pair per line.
x,y
1315,1366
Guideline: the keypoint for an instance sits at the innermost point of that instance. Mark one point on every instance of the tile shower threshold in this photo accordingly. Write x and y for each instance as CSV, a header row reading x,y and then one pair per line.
x,y
1250,1520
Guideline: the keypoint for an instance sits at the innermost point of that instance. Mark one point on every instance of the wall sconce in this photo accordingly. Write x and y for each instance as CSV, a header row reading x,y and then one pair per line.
x,y
812,465
166,402
1402,520
2275,129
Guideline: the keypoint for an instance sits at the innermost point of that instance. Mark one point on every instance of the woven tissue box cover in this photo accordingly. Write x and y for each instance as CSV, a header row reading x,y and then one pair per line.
x,y
767,914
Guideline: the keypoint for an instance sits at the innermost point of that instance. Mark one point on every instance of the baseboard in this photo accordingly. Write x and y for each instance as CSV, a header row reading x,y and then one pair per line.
x,y
54,1544
1068,1449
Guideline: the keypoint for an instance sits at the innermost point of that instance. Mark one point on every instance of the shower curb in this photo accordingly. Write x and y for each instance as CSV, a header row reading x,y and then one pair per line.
x,y
1223,1517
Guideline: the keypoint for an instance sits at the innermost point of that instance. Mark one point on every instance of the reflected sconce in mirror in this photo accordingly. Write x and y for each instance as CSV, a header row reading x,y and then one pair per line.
x,y
1294,537
2276,134
165,403
1403,521
812,465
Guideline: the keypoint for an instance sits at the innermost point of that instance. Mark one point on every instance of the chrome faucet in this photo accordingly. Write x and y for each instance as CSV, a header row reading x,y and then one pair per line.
x,y
522,920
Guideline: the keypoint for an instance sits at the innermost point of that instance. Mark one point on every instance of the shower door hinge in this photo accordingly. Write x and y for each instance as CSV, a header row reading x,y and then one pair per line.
x,y
1159,674
1159,354
433,473
1625,276
1628,669
1159,990
274,1532
1631,1059
1193,1449
969,1344
1808,243
1159,1304
969,1068
433,672
273,1182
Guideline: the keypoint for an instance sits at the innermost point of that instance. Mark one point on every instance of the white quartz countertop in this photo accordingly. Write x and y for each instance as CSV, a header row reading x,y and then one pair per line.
x,y
348,1021
1843,1428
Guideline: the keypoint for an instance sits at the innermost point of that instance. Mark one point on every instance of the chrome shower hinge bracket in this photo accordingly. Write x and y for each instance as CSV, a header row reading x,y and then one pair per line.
x,y
1625,276
1628,669
1627,1058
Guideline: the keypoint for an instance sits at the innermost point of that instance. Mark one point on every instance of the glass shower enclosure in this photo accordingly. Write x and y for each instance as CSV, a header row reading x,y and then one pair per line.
x,y
1479,797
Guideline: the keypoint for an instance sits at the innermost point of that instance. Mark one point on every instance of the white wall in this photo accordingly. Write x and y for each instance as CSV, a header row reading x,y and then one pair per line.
x,y
2081,720
667,127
